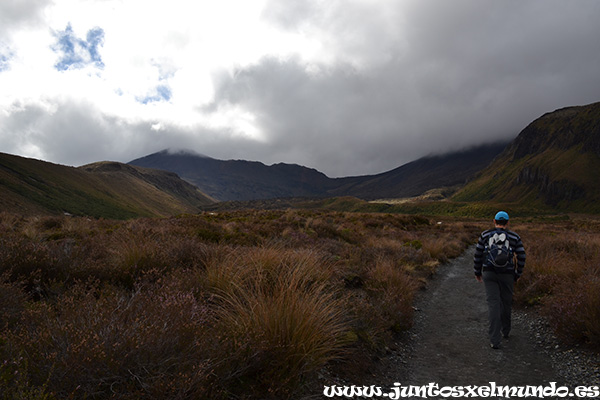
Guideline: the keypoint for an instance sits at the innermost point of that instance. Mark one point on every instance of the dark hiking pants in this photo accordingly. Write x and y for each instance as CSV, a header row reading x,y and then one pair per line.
x,y
499,294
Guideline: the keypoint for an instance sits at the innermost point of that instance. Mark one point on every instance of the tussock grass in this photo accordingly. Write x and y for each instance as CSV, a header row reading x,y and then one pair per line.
x,y
243,304
104,342
563,276
285,315
393,289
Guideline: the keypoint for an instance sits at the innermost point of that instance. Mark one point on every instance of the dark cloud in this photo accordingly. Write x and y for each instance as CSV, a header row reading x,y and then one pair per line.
x,y
446,76
392,81
322,120
61,131
355,31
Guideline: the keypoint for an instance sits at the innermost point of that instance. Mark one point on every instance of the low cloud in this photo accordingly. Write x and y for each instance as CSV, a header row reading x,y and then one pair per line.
x,y
453,76
75,131
347,87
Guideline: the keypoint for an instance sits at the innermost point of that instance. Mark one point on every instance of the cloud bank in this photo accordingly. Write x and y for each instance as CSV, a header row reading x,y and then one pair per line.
x,y
347,87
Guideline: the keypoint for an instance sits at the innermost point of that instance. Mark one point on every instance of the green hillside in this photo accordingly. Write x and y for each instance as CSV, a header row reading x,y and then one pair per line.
x,y
552,164
110,190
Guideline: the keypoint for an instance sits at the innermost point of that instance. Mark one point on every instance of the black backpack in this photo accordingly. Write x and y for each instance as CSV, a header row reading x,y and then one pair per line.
x,y
499,252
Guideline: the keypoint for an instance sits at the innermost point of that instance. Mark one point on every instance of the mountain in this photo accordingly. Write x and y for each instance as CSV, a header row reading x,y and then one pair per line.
x,y
417,177
239,180
105,189
553,163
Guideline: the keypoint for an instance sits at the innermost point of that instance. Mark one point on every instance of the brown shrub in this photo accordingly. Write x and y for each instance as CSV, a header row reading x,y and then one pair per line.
x,y
562,274
12,302
392,290
247,303
279,319
574,310
107,342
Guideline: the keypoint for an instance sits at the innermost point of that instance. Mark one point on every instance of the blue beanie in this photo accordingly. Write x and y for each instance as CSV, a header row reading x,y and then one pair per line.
x,y
501,216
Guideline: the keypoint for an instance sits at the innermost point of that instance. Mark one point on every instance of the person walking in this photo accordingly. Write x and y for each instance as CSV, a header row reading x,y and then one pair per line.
x,y
494,265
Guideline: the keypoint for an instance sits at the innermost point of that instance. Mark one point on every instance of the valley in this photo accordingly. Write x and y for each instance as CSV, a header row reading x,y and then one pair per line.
x,y
124,281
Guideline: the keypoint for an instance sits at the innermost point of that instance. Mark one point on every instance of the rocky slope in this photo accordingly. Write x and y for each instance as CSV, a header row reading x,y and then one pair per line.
x,y
553,163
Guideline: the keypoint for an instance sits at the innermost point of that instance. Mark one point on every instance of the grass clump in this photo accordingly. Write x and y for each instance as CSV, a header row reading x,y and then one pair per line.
x,y
563,277
243,304
102,342
281,320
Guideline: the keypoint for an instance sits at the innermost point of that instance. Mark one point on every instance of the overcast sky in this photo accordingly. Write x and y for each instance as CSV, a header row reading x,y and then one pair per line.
x,y
347,87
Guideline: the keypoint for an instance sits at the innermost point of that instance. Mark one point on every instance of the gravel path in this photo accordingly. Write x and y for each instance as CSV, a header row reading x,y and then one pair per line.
x,y
448,344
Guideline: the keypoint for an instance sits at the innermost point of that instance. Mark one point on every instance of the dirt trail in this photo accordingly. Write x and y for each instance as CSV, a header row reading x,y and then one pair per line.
x,y
448,343
451,346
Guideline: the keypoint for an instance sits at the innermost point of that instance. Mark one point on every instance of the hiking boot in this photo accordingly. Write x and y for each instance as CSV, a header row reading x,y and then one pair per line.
x,y
494,346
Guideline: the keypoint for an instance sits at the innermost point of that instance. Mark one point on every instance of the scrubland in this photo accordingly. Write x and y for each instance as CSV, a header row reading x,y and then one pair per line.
x,y
243,304
562,276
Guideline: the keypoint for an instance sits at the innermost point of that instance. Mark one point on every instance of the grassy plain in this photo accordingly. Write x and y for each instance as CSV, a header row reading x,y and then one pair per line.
x,y
244,304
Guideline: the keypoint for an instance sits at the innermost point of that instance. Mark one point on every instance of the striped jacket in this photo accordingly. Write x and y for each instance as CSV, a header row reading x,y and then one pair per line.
x,y
481,262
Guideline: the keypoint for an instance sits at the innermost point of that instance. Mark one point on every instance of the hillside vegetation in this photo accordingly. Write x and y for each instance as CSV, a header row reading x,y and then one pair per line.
x,y
552,164
249,304
244,304
110,190
421,205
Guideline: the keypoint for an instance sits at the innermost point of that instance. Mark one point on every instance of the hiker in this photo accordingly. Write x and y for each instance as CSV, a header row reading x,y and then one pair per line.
x,y
494,265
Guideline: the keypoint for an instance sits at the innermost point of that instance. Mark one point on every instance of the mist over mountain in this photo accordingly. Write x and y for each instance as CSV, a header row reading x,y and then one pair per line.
x,y
551,165
419,176
553,162
234,180
239,179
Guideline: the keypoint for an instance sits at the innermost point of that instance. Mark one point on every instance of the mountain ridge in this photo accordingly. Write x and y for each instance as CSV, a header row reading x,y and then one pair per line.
x,y
103,189
241,180
550,166
552,163
417,177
